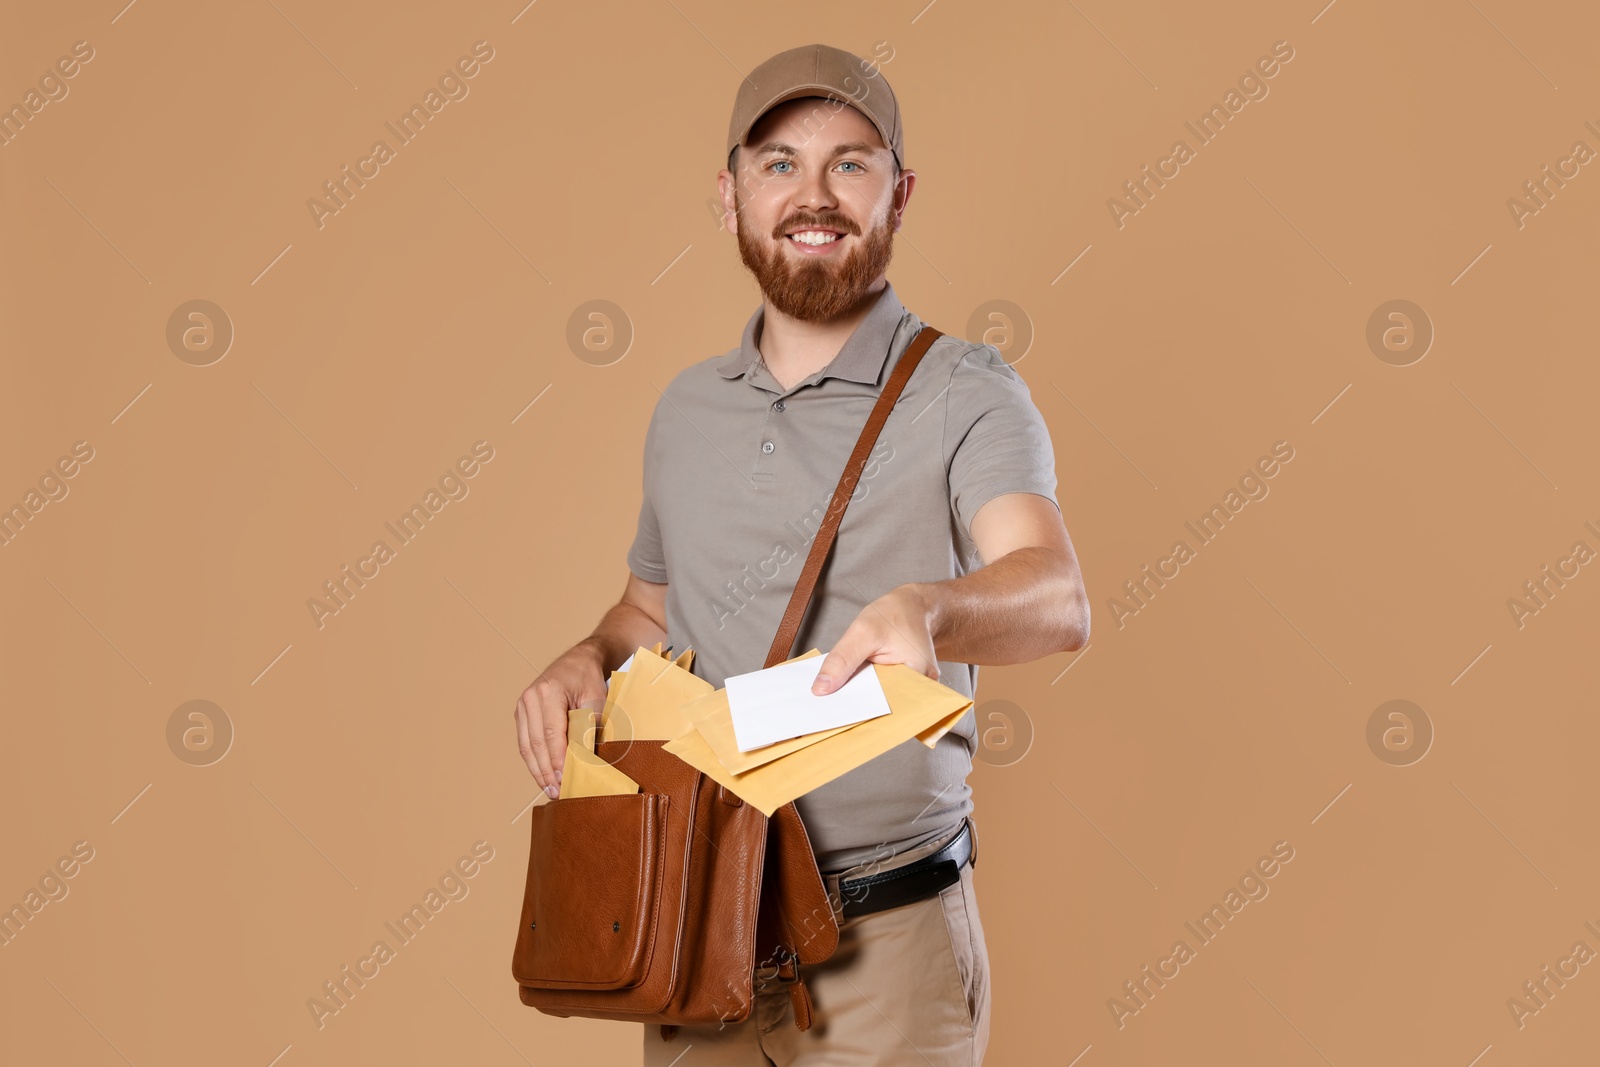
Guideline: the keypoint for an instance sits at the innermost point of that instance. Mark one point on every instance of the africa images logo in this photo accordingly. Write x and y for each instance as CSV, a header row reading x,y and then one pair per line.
x,y
452,87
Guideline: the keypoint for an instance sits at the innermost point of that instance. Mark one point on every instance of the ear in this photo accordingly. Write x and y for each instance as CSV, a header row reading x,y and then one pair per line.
x,y
725,189
903,186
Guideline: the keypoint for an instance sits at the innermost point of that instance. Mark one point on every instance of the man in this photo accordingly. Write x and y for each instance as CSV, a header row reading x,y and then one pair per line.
x,y
952,553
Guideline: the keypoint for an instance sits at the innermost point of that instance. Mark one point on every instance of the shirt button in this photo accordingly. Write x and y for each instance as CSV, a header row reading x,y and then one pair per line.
x,y
777,405
767,446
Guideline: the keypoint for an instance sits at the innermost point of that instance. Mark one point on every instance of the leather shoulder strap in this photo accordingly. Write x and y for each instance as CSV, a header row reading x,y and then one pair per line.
x,y
783,644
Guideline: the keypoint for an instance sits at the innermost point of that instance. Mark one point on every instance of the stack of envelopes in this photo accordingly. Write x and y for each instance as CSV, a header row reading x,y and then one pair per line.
x,y
656,698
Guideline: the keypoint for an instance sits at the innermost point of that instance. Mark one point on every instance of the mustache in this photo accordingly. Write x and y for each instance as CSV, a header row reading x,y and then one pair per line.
x,y
833,222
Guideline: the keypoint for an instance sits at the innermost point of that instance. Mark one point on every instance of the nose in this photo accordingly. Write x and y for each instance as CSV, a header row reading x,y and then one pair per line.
x,y
816,192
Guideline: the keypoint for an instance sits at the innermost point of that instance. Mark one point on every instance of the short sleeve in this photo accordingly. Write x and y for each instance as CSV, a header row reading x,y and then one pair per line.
x,y
995,439
647,556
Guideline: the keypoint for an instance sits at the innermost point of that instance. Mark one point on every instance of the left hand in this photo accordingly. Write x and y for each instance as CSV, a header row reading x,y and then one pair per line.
x,y
895,628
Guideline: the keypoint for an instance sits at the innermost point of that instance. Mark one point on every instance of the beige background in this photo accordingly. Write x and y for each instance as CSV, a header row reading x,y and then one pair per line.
x,y
1155,766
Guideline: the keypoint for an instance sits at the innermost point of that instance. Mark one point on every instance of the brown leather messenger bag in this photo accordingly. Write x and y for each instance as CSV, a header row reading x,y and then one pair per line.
x,y
660,906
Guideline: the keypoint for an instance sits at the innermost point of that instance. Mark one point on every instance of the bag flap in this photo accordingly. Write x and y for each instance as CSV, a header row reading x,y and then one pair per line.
x,y
795,908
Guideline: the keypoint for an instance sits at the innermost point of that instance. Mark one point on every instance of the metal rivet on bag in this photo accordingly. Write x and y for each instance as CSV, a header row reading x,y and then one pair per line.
x,y
615,926
532,925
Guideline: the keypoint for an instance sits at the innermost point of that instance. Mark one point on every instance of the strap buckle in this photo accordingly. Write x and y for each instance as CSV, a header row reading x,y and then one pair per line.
x,y
787,962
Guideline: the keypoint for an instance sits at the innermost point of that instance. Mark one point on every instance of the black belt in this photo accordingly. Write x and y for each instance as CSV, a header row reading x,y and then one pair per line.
x,y
913,882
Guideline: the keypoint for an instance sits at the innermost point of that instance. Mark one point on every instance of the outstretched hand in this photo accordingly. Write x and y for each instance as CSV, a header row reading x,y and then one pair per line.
x,y
895,628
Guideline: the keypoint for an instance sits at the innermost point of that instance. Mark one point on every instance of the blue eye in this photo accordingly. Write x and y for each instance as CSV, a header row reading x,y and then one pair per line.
x,y
780,163
850,163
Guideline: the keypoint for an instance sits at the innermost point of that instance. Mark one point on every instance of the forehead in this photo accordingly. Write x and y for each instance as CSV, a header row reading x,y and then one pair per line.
x,y
813,123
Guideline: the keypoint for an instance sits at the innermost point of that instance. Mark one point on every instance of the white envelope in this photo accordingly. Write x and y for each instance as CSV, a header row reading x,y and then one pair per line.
x,y
777,703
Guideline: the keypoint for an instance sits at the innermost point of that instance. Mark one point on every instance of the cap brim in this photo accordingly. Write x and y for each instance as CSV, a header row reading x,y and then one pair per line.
x,y
800,92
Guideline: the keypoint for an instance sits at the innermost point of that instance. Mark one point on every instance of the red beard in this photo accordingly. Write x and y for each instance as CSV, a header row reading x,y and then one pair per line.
x,y
826,287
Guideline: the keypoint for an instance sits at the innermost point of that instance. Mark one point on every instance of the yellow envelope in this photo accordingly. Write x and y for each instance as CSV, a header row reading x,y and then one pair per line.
x,y
611,695
616,681
918,707
583,774
646,701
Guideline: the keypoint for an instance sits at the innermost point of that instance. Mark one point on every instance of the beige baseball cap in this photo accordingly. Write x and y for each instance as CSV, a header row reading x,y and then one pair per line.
x,y
818,70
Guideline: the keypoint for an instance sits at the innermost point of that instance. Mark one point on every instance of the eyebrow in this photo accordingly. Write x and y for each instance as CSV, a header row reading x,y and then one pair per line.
x,y
839,150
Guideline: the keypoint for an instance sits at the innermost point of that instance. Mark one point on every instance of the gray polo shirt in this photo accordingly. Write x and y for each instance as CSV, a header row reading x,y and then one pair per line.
x,y
738,473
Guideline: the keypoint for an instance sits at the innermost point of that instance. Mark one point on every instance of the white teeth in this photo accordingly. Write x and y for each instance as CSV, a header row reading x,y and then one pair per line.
x,y
814,237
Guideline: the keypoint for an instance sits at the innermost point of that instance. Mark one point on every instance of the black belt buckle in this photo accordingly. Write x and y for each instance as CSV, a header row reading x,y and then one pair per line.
x,y
915,881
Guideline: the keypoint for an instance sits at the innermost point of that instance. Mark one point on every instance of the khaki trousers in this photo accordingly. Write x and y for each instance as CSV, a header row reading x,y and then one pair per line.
x,y
908,985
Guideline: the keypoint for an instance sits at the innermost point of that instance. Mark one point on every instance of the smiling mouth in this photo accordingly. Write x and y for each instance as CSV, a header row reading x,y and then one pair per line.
x,y
814,237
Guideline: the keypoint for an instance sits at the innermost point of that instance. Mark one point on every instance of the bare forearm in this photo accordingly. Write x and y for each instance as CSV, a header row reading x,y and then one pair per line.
x,y
623,630
1027,604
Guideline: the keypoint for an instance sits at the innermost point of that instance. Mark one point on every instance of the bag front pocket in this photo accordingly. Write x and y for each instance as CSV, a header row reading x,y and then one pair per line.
x,y
589,909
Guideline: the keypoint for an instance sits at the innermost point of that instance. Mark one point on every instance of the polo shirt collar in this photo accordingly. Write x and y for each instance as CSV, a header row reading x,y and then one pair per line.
x,y
860,360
